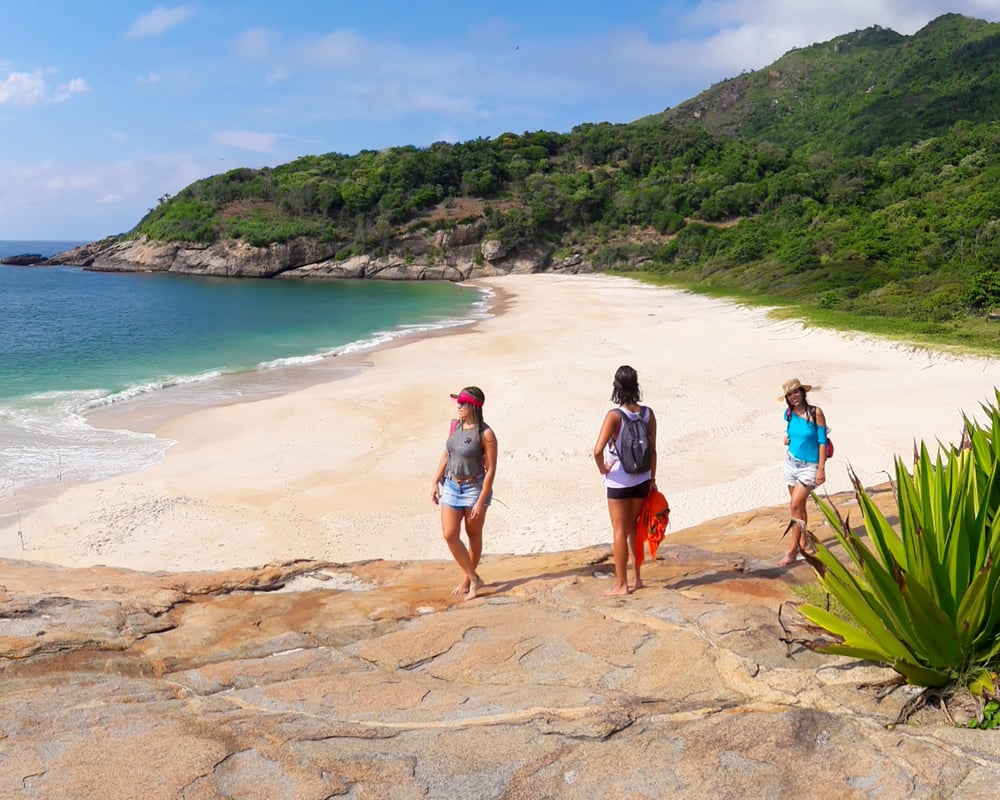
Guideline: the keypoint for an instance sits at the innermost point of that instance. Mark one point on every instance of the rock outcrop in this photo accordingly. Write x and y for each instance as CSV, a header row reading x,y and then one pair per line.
x,y
457,254
229,259
311,680
24,260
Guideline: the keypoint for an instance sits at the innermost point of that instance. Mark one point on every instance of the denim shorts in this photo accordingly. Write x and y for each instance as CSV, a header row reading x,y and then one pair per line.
x,y
465,494
795,471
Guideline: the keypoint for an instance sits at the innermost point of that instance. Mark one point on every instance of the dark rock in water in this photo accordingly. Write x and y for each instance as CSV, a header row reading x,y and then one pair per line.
x,y
24,260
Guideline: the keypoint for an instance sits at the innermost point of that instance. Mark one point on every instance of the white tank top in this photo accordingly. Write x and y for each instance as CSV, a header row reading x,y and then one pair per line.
x,y
617,477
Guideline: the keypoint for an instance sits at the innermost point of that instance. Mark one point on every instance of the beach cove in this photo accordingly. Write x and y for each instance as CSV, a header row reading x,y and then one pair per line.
x,y
341,471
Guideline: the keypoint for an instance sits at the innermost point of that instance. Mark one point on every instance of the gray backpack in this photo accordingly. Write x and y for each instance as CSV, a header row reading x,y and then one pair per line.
x,y
636,452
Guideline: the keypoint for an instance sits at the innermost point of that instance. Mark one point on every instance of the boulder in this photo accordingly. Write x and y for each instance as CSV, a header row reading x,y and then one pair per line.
x,y
24,260
494,249
231,258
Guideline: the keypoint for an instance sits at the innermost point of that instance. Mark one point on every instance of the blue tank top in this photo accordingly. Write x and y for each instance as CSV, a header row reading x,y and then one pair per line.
x,y
804,437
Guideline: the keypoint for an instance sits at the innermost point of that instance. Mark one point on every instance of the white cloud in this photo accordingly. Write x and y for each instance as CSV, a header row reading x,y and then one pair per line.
x,y
22,88
67,90
75,86
70,181
395,98
247,140
338,49
157,22
145,80
73,201
256,43
30,88
277,75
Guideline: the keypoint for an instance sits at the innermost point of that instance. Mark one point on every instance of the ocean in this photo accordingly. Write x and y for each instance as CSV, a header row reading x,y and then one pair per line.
x,y
74,342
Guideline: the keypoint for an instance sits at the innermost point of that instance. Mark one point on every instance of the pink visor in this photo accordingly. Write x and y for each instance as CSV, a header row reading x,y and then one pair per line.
x,y
465,397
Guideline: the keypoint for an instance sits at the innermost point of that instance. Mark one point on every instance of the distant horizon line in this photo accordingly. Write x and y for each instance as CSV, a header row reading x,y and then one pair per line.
x,y
68,240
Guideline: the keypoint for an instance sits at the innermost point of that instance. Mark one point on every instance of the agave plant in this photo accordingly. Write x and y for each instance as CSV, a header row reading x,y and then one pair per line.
x,y
925,600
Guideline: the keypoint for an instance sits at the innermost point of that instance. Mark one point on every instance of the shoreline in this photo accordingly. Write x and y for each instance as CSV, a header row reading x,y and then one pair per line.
x,y
148,412
340,470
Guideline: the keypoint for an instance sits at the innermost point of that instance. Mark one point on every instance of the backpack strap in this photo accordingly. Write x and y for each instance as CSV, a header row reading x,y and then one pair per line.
x,y
612,442
643,415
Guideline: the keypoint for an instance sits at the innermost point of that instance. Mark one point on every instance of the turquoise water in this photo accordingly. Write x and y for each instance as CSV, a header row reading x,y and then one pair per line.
x,y
72,341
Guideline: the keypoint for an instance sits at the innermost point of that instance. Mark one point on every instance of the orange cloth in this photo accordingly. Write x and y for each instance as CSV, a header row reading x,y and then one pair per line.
x,y
651,525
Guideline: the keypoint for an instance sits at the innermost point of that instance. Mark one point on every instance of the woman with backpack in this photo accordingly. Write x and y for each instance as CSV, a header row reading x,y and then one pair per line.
x,y
805,462
463,485
625,454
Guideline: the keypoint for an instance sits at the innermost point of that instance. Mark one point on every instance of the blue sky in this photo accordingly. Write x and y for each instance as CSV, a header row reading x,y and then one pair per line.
x,y
107,105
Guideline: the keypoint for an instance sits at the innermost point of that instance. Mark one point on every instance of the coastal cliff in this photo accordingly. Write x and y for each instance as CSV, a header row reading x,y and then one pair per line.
x,y
313,680
458,254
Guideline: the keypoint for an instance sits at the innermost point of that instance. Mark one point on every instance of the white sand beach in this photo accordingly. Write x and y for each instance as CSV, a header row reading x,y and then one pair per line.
x,y
342,471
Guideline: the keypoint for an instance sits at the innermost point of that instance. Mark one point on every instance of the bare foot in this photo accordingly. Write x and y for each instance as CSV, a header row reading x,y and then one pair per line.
x,y
637,585
617,591
462,588
789,559
476,585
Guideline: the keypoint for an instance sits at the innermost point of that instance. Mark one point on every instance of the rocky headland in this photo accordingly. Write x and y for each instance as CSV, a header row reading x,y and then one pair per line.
x,y
457,254
313,680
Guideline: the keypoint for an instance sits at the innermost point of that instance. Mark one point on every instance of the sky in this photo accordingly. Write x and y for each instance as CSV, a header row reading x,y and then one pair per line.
x,y
108,105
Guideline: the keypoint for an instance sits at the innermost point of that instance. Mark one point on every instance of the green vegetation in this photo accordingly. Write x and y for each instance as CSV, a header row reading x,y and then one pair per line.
x,y
814,594
857,179
925,600
860,91
990,717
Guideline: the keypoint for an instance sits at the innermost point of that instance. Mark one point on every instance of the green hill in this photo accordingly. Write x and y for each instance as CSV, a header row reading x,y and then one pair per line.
x,y
861,91
859,178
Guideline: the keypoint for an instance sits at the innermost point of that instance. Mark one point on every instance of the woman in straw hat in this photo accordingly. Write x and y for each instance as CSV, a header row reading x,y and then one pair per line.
x,y
805,462
463,485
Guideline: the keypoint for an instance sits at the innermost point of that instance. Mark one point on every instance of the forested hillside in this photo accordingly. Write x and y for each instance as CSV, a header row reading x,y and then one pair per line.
x,y
860,175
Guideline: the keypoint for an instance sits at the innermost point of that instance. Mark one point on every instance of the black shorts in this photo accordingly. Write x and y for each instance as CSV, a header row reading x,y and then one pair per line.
x,y
639,491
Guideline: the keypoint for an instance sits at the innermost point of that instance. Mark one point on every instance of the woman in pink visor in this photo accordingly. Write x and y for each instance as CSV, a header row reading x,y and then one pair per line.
x,y
463,485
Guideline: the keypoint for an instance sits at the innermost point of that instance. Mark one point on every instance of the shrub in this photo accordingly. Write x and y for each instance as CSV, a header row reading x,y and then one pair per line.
x,y
829,299
984,291
925,601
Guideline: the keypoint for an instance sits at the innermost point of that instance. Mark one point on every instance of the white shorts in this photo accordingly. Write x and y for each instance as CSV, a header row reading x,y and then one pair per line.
x,y
795,471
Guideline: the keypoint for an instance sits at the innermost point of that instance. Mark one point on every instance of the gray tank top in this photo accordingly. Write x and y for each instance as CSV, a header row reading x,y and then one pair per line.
x,y
465,453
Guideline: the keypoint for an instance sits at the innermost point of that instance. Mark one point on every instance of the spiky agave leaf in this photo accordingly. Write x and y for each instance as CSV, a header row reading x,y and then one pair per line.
x,y
870,614
925,600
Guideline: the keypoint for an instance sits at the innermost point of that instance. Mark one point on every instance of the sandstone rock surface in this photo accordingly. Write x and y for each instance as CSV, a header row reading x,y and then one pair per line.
x,y
310,680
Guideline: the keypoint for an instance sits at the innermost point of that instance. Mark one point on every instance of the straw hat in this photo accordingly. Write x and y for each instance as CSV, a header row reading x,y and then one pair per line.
x,y
792,385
